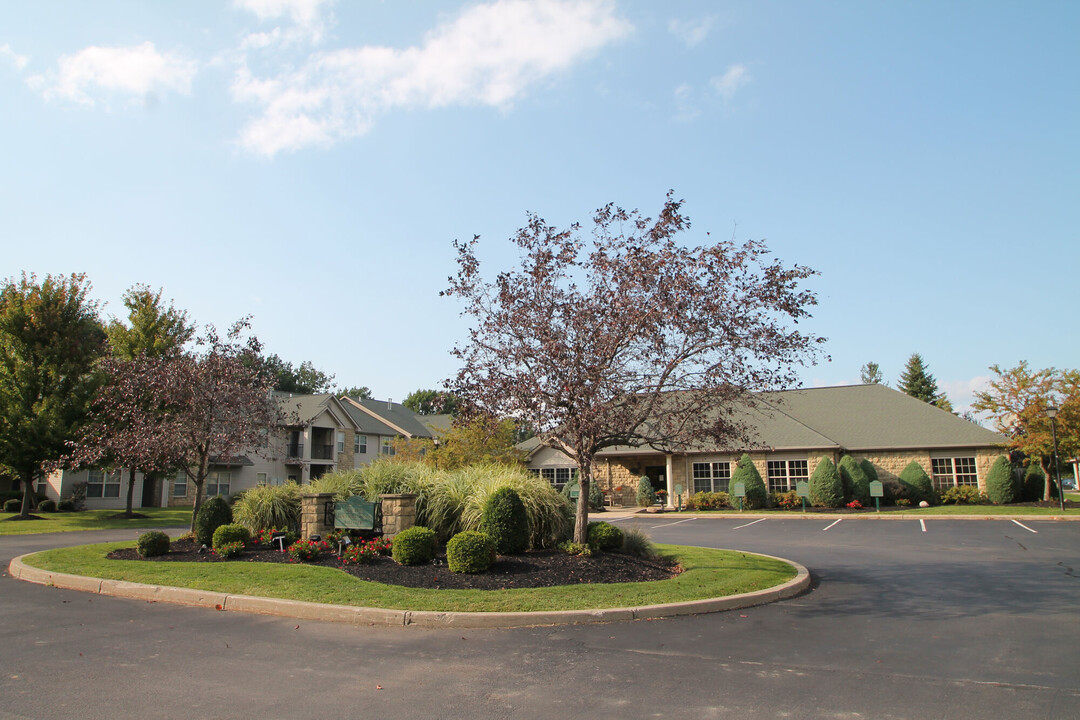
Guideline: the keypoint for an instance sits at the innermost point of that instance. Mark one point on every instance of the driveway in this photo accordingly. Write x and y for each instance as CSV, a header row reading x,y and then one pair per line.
x,y
943,619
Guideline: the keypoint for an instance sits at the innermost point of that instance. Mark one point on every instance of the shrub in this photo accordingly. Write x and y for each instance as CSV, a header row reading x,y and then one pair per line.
x,y
577,549
789,500
13,505
637,542
962,495
414,546
66,505
505,522
48,506
596,497
307,550
903,502
1000,488
916,484
269,506
212,514
229,550
826,487
645,494
1035,484
152,544
605,536
365,553
854,505
856,483
470,552
231,533
757,496
708,501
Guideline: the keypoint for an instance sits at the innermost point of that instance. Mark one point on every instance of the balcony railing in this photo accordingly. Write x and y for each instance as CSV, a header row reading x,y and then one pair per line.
x,y
295,450
322,452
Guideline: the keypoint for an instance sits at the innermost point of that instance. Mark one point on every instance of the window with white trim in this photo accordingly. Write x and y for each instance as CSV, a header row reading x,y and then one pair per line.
x,y
341,441
784,475
387,448
557,476
712,476
360,445
217,483
102,485
260,478
179,488
950,472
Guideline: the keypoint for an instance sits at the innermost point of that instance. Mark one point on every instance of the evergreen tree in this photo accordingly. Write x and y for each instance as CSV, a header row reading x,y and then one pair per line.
x,y
826,487
747,473
1000,486
871,374
917,382
916,483
856,482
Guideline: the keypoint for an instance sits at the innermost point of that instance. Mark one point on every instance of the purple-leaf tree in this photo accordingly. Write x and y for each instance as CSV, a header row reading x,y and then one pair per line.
x,y
629,338
188,410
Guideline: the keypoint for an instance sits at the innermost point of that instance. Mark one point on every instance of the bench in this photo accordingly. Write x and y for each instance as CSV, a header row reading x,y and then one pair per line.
x,y
357,514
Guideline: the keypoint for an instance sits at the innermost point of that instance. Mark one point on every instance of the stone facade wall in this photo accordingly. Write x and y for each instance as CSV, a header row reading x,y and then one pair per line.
x,y
612,474
398,512
313,515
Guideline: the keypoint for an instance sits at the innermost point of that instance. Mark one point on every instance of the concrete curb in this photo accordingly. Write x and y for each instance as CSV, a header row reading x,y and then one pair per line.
x,y
404,618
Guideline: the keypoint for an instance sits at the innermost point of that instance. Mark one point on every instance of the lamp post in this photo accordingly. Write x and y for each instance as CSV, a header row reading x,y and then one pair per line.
x,y
1051,412
436,453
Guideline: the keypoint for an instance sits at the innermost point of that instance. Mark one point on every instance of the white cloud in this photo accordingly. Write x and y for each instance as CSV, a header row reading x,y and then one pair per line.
x,y
20,61
488,55
685,107
726,84
692,32
961,393
308,18
138,70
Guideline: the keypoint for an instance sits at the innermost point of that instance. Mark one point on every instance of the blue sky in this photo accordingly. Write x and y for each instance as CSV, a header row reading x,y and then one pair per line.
x,y
310,162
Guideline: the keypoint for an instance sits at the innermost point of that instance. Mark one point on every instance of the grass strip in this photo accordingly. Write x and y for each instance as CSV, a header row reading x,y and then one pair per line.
x,y
94,520
707,573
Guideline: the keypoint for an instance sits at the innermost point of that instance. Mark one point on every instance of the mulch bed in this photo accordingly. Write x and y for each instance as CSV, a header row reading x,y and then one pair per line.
x,y
537,568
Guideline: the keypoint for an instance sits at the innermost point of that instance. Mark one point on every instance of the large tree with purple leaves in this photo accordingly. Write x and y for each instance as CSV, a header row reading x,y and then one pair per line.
x,y
630,338
188,410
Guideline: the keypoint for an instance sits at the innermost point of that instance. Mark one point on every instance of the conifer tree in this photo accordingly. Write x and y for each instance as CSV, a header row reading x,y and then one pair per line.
x,y
917,382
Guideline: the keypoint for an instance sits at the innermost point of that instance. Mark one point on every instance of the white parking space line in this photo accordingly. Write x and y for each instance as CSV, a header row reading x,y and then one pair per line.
x,y
1025,526
835,523
922,524
670,524
750,523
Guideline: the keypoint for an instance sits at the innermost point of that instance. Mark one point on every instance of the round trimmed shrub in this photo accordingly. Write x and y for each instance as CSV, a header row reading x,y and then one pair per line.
x,y
231,533
152,544
747,473
213,513
826,487
470,552
48,506
1000,488
605,536
12,505
916,484
856,483
414,546
596,497
505,521
66,505
646,496
1035,484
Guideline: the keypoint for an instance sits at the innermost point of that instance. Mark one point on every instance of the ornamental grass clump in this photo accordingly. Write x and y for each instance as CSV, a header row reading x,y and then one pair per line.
x,y
48,506
231,533
414,546
549,514
605,536
637,542
470,552
212,514
504,520
269,506
13,505
343,484
152,544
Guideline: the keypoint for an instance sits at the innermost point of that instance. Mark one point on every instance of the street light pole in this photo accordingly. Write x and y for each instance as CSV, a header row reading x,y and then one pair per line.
x,y
1051,412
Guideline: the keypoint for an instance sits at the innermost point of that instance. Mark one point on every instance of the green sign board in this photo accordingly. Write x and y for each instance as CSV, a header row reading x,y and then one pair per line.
x,y
355,514
678,489
574,493
802,488
739,490
877,489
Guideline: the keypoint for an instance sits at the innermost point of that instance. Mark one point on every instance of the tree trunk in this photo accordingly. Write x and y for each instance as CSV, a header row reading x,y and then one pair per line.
x,y
131,491
27,479
581,521
1045,463
198,502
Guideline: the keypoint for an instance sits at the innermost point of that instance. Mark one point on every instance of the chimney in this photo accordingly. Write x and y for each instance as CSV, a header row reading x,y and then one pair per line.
x,y
389,403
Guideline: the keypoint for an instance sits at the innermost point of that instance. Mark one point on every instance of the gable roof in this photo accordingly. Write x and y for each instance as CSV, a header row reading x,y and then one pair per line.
x,y
391,418
303,409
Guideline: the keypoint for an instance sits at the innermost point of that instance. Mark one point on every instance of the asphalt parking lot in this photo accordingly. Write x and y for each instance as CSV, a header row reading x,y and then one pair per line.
x,y
940,619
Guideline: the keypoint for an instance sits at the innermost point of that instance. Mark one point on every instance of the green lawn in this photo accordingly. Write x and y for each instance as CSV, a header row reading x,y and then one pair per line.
x,y
707,573
94,520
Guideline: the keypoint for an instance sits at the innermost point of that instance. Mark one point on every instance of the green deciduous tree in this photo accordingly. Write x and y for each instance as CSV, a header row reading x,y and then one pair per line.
x,y
431,402
51,340
1017,400
304,379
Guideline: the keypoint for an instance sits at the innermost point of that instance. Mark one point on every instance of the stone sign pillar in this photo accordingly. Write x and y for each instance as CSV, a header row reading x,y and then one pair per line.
x,y
313,514
398,513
